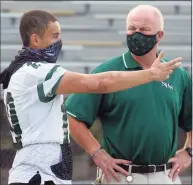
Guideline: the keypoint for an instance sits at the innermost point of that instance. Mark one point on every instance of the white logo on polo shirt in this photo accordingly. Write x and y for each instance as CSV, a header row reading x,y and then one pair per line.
x,y
167,85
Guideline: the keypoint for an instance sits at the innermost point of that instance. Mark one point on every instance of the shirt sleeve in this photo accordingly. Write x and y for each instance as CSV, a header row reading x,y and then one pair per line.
x,y
47,87
84,107
185,117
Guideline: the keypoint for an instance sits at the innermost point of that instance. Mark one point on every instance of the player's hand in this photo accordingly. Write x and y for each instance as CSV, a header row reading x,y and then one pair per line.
x,y
108,165
161,71
180,162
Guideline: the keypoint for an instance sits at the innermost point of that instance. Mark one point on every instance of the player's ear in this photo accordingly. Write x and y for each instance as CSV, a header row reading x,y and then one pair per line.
x,y
35,40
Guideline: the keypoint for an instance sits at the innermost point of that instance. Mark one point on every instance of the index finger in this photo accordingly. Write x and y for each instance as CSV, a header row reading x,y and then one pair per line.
x,y
122,161
160,56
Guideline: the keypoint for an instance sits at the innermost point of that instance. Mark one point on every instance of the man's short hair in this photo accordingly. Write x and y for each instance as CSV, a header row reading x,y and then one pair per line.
x,y
35,21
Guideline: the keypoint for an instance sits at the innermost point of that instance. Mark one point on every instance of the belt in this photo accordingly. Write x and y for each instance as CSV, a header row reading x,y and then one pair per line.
x,y
147,168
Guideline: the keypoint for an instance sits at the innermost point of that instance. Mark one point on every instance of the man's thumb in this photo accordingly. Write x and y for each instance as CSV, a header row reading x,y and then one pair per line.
x,y
171,160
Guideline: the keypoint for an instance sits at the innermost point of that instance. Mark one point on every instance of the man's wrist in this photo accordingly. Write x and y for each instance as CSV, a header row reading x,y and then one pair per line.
x,y
93,150
96,152
151,74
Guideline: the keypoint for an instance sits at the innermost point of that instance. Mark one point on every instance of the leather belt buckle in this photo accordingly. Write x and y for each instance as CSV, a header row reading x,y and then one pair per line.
x,y
154,168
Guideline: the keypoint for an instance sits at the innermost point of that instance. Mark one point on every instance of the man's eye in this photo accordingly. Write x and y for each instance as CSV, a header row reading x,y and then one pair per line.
x,y
131,28
144,29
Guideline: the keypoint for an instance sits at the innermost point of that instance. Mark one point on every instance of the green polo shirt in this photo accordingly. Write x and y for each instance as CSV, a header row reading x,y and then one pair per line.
x,y
141,123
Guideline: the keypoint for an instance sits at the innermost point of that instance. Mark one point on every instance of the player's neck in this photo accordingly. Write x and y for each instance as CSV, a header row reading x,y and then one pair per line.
x,y
147,60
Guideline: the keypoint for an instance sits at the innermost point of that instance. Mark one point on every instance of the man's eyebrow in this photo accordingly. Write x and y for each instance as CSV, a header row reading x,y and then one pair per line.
x,y
141,27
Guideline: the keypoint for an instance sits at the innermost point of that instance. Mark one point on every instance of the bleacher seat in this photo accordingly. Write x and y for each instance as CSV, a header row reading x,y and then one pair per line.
x,y
166,7
18,6
91,37
174,19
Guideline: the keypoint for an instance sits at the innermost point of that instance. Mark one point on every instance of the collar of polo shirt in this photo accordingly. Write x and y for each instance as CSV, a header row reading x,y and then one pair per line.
x,y
129,62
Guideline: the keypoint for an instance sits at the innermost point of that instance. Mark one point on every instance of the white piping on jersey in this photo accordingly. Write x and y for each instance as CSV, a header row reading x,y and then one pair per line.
x,y
71,114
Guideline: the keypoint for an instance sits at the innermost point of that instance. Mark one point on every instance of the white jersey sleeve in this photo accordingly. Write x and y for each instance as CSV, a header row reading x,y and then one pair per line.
x,y
39,80
48,77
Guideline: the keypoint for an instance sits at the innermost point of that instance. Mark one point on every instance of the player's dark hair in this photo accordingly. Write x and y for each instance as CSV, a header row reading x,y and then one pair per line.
x,y
35,21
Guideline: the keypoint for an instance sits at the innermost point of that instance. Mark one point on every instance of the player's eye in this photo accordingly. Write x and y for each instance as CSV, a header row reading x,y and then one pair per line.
x,y
55,35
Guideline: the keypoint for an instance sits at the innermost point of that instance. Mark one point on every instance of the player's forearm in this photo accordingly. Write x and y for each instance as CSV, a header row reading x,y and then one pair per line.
x,y
105,82
81,134
116,81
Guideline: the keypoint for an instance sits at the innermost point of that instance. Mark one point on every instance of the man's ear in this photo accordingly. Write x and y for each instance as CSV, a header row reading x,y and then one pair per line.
x,y
160,36
34,40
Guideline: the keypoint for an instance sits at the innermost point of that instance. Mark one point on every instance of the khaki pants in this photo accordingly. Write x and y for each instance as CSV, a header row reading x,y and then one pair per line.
x,y
154,178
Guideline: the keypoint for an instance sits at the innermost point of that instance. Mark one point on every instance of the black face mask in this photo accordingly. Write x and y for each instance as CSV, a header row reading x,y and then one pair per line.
x,y
51,53
140,44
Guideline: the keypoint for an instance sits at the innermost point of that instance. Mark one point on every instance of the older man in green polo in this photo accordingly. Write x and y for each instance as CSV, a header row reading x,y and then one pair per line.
x,y
140,125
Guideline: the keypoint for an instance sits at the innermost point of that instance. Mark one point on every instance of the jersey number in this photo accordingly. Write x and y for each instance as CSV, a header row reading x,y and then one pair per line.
x,y
33,64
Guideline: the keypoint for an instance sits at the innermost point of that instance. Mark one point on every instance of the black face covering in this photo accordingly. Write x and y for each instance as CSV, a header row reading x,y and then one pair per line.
x,y
140,44
49,54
